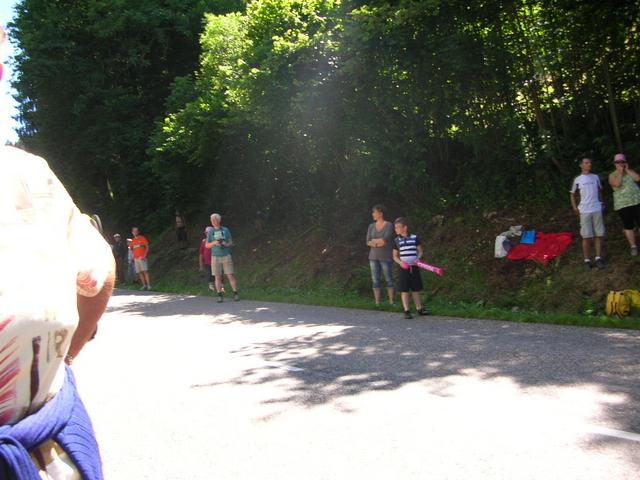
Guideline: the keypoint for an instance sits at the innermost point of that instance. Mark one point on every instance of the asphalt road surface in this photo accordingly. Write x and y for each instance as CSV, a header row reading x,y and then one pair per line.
x,y
183,388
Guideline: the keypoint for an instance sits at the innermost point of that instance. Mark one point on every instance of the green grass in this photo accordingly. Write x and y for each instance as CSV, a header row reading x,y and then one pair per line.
x,y
191,284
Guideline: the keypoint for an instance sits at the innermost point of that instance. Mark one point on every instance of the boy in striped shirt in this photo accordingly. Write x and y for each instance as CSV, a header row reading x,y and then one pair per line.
x,y
407,249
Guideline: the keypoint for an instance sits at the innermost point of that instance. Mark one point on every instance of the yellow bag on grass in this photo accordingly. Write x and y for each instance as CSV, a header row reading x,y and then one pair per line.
x,y
620,302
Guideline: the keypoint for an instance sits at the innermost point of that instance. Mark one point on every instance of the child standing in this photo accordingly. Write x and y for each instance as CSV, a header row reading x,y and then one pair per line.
x,y
589,210
406,250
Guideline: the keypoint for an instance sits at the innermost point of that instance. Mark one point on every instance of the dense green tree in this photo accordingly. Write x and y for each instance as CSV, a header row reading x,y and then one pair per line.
x,y
93,76
309,108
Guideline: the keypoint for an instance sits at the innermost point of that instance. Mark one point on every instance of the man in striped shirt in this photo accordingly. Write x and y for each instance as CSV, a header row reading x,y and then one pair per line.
x,y
406,250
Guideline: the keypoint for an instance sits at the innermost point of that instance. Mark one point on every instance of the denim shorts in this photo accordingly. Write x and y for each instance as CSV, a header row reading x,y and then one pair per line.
x,y
379,267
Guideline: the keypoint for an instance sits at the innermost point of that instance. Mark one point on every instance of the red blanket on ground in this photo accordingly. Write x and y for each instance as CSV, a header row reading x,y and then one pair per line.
x,y
547,247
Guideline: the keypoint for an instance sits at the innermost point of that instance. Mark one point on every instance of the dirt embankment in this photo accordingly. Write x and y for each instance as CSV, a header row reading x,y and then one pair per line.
x,y
311,256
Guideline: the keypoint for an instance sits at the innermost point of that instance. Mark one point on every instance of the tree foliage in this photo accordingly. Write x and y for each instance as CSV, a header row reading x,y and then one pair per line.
x,y
306,108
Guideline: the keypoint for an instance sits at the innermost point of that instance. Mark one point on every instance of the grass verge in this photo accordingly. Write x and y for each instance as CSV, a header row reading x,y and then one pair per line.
x,y
334,297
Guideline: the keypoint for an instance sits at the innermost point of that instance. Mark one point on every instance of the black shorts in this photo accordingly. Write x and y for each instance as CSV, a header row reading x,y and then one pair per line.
x,y
410,280
181,233
630,217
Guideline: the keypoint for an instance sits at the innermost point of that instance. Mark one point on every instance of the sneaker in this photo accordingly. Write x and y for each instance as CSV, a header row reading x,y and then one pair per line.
x,y
423,311
219,298
407,315
587,265
212,287
236,297
143,287
634,251
148,287
599,262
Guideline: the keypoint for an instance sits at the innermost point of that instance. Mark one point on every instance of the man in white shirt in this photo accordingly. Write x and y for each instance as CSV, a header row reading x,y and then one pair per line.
x,y
590,212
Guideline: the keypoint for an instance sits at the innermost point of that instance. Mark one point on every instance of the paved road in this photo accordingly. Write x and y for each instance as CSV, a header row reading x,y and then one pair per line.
x,y
184,388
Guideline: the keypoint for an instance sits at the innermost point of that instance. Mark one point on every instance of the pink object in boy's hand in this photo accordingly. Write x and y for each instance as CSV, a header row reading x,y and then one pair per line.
x,y
431,268
404,265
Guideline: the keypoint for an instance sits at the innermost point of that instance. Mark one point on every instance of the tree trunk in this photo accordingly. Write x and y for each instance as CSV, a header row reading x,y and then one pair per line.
x,y
611,103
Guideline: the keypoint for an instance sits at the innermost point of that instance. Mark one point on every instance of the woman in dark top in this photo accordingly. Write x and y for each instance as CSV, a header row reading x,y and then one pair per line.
x,y
380,242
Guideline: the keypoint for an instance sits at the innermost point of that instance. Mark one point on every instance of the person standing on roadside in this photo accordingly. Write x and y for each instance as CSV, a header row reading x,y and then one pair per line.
x,y
120,253
626,198
204,260
406,250
181,229
380,242
140,248
219,240
589,210
131,272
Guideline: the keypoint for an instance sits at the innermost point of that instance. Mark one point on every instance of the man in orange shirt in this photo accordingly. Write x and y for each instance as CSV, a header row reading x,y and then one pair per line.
x,y
140,248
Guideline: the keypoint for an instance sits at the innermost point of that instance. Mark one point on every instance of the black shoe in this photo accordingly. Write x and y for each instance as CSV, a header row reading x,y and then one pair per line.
x,y
407,315
599,262
423,311
236,297
587,265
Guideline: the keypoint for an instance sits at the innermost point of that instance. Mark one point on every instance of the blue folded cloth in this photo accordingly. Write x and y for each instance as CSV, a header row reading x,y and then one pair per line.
x,y
528,237
63,419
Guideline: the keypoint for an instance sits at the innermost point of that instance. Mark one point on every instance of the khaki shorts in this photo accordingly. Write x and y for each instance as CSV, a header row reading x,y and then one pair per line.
x,y
220,265
141,265
591,225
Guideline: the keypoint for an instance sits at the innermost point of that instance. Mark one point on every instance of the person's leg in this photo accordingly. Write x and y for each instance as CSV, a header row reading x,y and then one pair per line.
x,y
597,242
416,290
123,269
232,282
227,266
586,231
586,244
217,272
417,301
140,273
375,267
404,285
627,215
598,230
387,270
210,278
630,235
405,301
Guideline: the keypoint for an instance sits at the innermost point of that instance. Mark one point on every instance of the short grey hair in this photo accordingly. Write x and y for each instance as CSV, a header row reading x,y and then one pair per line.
x,y
217,216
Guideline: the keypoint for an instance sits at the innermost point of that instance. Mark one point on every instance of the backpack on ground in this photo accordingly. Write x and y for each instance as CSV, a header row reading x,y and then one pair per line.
x,y
620,302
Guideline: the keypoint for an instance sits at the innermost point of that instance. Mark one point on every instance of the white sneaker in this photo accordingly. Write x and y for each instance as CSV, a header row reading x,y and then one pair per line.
x,y
634,251
148,287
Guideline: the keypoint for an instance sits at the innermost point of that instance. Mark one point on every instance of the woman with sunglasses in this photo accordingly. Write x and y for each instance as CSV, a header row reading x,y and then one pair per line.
x,y
626,198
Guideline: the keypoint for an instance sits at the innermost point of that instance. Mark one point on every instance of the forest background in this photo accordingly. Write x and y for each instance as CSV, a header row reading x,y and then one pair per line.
x,y
466,116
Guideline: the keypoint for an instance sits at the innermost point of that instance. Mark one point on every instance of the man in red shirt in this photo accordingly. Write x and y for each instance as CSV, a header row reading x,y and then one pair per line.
x,y
140,248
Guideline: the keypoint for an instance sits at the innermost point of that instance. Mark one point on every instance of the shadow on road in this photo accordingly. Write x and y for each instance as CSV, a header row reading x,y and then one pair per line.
x,y
378,351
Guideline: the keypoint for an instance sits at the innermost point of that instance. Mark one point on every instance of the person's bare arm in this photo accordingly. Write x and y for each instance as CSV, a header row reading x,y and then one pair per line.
x,y
90,309
574,203
634,175
396,257
420,251
615,178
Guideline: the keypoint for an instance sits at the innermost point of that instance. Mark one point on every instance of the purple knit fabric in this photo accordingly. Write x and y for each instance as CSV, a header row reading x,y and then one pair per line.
x,y
63,419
